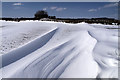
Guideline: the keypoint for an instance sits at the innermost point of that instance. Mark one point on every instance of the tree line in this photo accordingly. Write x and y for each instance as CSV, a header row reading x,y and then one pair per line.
x,y
43,15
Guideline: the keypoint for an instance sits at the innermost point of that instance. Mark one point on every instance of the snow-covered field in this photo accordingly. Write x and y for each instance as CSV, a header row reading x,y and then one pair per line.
x,y
41,49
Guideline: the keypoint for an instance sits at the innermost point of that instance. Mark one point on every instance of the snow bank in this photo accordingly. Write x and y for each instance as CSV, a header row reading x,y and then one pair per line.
x,y
59,50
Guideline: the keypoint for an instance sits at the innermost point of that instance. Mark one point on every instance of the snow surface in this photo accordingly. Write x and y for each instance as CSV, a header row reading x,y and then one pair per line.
x,y
42,49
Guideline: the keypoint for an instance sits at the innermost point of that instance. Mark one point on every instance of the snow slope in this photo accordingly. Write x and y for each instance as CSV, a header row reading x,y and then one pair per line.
x,y
42,49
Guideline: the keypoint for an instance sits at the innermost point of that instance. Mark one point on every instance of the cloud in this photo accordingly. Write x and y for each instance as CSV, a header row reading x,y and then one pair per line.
x,y
92,10
60,9
45,9
53,8
110,5
105,6
17,4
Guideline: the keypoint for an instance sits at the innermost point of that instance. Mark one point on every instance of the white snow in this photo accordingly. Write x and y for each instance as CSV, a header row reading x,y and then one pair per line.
x,y
43,49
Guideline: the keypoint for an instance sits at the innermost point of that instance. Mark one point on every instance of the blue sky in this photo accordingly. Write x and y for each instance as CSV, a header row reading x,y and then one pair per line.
x,y
61,9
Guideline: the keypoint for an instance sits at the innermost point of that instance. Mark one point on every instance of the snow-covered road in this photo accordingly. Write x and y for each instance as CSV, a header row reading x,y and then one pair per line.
x,y
41,49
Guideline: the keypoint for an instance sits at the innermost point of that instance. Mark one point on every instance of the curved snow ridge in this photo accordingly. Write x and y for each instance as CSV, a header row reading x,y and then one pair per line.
x,y
15,34
57,62
68,51
27,49
106,53
80,66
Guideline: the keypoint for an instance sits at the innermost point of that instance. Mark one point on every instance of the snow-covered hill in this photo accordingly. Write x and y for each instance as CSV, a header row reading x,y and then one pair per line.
x,y
41,49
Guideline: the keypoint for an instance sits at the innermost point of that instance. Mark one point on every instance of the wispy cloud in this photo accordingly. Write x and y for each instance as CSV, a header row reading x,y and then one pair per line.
x,y
58,8
53,8
44,9
17,4
92,10
105,6
110,5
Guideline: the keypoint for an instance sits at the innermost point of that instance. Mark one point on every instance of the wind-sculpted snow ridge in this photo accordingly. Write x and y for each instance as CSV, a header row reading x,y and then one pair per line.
x,y
64,51
26,49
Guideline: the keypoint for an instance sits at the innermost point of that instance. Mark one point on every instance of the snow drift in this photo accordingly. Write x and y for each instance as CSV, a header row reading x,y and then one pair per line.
x,y
59,50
